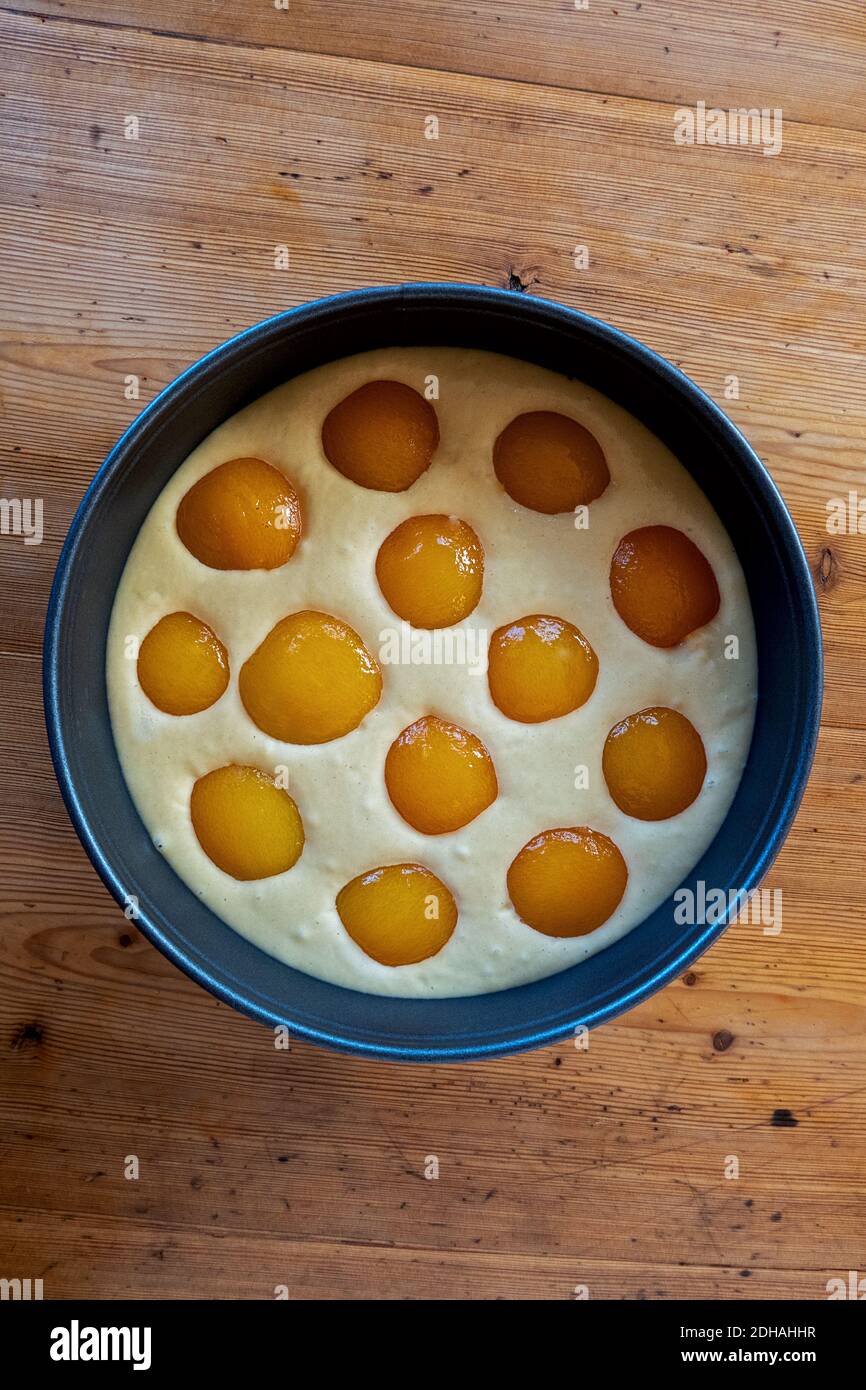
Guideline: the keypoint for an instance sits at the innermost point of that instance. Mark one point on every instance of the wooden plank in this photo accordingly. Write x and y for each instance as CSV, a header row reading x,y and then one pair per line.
x,y
794,54
561,1167
174,1264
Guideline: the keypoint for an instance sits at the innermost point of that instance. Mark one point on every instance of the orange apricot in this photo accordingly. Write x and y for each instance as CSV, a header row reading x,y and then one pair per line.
x,y
311,680
430,570
549,463
398,914
662,585
567,882
245,823
183,667
540,668
244,515
382,436
654,763
439,776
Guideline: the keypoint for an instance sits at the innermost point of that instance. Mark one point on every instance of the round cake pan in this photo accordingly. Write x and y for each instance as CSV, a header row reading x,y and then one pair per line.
x,y
535,330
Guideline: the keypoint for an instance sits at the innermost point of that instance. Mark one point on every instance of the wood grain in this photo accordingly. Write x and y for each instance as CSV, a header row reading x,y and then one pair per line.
x,y
804,57
561,1168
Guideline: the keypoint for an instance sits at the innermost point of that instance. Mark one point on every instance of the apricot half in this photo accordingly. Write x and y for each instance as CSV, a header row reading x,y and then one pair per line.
x,y
549,463
439,776
398,914
382,436
662,586
431,570
245,823
244,515
654,763
567,882
183,667
311,680
540,668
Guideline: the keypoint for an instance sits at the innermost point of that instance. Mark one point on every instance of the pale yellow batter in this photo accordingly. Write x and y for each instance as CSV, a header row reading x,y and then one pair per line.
x,y
533,564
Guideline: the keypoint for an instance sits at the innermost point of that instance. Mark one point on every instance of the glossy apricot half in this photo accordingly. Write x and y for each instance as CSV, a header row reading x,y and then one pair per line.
x,y
243,515
654,763
398,914
183,667
550,463
439,776
567,882
311,680
382,436
662,585
540,668
245,823
431,570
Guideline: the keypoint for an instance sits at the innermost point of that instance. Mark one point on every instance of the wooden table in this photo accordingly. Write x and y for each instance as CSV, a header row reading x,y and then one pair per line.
x,y
129,257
